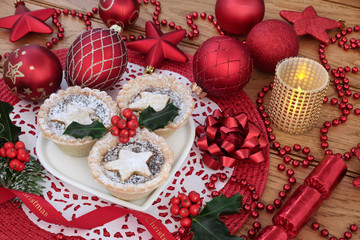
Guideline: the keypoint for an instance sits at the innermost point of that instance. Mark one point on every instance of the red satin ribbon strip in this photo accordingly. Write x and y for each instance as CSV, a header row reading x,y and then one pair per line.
x,y
46,212
227,138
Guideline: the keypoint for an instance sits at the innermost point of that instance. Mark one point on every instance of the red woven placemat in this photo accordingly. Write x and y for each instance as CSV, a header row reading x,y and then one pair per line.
x,y
14,224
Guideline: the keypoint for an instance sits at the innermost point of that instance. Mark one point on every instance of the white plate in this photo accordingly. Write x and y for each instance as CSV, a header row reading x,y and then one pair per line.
x,y
75,170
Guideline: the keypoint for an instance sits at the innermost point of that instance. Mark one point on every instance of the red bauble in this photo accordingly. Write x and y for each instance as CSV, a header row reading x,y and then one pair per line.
x,y
32,72
96,59
121,12
270,42
239,16
222,66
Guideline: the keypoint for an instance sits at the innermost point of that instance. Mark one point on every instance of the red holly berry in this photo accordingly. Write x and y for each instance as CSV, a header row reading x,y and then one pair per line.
x,y
182,230
182,196
175,209
11,152
194,196
115,131
132,132
27,159
123,140
8,145
194,209
122,124
124,133
186,203
16,165
184,212
132,124
175,200
185,222
127,113
132,117
2,152
21,154
115,119
19,145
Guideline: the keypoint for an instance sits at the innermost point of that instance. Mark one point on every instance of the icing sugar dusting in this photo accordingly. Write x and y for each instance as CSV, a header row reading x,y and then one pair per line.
x,y
101,113
154,164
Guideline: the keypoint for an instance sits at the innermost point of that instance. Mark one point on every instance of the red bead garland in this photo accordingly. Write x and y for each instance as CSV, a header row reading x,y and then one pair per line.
x,y
325,233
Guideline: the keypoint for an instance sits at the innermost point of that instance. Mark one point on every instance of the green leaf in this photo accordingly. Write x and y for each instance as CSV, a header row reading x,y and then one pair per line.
x,y
153,120
207,224
96,130
8,131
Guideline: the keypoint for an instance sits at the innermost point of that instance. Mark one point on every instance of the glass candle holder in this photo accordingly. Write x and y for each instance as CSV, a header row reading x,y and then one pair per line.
x,y
299,88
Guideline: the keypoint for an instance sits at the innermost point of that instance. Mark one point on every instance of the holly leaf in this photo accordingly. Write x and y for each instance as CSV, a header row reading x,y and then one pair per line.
x,y
153,120
96,130
207,224
9,132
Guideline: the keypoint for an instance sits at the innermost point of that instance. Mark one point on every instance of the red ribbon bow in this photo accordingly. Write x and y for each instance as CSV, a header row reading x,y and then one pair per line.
x,y
227,138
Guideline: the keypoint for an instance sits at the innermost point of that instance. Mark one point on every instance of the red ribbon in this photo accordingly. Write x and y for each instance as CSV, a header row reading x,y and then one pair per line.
x,y
227,138
46,212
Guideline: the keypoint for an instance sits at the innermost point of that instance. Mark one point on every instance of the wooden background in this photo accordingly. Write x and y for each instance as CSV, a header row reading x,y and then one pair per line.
x,y
343,207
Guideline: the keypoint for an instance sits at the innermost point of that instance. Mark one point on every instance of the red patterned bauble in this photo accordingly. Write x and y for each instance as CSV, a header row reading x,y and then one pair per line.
x,y
96,59
222,66
121,12
271,41
32,72
239,16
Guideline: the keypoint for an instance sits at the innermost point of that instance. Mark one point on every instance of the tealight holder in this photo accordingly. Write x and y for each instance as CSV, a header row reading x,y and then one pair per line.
x,y
299,88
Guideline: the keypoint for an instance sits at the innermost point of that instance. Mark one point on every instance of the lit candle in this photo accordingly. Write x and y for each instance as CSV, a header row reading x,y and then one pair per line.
x,y
299,88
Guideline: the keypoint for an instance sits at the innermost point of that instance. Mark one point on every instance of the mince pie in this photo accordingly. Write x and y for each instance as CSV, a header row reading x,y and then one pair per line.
x,y
134,169
157,91
75,104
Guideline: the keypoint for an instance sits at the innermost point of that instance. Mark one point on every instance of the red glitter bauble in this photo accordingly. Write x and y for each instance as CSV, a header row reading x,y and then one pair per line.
x,y
96,59
270,42
239,16
121,12
222,66
32,72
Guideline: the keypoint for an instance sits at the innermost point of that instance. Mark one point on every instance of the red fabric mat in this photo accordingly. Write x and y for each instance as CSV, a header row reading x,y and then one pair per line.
x,y
14,224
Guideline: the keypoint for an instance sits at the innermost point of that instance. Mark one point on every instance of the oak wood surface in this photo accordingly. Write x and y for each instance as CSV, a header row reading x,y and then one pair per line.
x,y
343,207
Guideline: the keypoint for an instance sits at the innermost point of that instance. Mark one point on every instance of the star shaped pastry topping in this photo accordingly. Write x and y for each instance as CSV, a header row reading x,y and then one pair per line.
x,y
130,163
155,100
307,22
159,46
25,21
13,72
74,114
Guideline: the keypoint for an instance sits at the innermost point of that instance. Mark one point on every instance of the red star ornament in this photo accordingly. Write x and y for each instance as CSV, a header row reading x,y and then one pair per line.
x,y
159,46
25,21
307,22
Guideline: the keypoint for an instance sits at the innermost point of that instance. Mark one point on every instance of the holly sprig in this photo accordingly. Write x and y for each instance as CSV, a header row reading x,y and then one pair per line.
x,y
27,174
207,225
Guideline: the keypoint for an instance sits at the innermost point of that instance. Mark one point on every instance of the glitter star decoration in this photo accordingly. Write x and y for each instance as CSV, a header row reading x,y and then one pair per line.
x,y
308,22
130,163
159,46
14,72
25,21
74,114
155,100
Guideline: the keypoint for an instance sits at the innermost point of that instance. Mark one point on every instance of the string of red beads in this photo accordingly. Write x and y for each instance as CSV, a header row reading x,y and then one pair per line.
x,y
325,233
66,12
341,84
189,20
